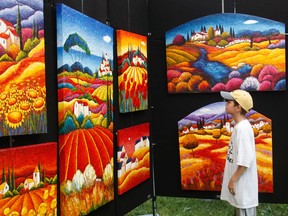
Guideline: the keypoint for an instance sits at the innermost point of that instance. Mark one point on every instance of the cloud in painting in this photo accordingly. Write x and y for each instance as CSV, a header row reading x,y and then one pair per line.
x,y
249,22
107,39
30,11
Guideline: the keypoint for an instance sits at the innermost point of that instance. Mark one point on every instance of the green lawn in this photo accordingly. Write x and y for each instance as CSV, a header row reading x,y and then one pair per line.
x,y
175,206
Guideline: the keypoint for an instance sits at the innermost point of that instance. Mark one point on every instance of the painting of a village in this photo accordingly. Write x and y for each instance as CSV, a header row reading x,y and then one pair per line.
x,y
28,180
85,111
224,52
132,71
22,68
133,156
203,144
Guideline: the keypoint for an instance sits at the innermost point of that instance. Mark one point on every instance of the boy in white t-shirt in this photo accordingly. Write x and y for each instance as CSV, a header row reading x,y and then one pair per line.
x,y
240,180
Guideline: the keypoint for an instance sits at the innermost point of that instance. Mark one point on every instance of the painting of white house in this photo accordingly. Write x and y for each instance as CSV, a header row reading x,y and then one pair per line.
x,y
28,180
226,51
85,111
133,156
22,68
204,137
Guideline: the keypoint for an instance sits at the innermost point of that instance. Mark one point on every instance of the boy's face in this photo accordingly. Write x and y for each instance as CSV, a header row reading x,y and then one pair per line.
x,y
231,108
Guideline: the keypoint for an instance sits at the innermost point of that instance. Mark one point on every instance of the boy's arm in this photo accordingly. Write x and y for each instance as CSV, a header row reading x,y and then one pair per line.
x,y
231,186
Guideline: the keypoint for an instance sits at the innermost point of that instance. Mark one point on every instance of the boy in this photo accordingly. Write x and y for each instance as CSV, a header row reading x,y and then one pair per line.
x,y
240,180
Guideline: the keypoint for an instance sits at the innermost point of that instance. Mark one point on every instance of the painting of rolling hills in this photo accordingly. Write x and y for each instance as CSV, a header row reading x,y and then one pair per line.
x,y
226,52
28,183
22,68
133,156
132,71
85,111
203,144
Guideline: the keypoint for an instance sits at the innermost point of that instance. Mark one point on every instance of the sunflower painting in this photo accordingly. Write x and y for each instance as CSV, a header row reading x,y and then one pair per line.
x,y
132,71
203,144
226,51
85,111
22,68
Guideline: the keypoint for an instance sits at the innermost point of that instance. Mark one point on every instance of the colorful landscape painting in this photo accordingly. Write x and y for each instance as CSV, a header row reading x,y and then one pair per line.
x,y
132,71
203,144
28,180
133,156
22,68
226,52
85,111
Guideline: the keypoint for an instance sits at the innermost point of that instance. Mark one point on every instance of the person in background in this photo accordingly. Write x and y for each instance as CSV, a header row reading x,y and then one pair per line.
x,y
240,180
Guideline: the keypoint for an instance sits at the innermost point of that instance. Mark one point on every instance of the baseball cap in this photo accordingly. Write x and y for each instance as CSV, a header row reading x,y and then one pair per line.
x,y
242,97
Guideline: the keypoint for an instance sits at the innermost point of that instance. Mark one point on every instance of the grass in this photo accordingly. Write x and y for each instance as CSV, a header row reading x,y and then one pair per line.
x,y
175,206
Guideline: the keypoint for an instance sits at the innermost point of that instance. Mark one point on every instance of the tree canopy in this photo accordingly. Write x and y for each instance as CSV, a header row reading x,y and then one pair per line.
x,y
76,40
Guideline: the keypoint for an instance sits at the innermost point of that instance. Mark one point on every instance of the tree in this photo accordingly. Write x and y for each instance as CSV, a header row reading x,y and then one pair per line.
x,y
249,34
256,132
78,43
12,180
211,34
6,57
267,129
9,177
190,142
3,175
179,40
21,55
216,134
19,28
270,33
225,35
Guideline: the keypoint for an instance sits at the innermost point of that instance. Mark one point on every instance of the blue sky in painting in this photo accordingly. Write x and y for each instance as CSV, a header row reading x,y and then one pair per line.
x,y
236,21
98,36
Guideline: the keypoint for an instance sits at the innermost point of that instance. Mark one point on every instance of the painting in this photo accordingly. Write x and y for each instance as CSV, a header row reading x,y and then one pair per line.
x,y
226,51
22,68
85,111
133,156
203,144
132,71
28,180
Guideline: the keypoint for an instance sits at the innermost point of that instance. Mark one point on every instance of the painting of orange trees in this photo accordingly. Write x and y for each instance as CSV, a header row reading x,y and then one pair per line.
x,y
85,111
132,71
224,52
22,68
203,144
133,156
28,180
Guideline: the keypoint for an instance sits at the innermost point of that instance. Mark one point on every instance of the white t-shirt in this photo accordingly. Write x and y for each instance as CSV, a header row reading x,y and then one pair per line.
x,y
241,152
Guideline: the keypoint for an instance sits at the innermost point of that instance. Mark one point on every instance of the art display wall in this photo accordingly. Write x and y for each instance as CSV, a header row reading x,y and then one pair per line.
x,y
200,146
83,65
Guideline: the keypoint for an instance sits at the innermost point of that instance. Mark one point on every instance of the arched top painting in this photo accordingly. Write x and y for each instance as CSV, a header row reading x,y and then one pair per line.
x,y
226,51
204,137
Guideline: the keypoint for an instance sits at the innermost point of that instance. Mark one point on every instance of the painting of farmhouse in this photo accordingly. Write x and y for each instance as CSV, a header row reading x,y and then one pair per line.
x,y
133,156
28,180
132,71
85,114
226,52
22,68
203,144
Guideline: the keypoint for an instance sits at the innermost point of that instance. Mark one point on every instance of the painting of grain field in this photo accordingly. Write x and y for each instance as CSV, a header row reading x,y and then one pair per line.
x,y
203,144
